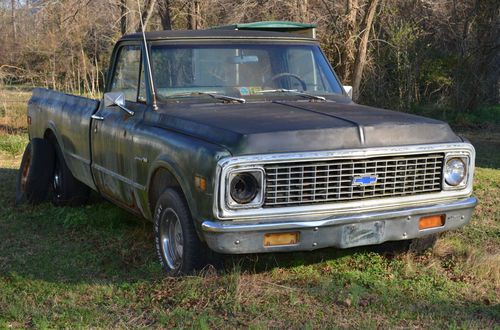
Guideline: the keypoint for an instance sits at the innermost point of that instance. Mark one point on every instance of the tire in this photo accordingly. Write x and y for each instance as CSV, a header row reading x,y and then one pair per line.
x,y
35,173
178,247
66,190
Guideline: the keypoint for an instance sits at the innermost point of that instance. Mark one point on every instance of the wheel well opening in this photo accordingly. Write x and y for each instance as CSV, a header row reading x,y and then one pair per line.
x,y
161,180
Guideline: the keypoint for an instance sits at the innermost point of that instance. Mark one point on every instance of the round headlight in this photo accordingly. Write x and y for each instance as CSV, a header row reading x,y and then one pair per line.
x,y
244,188
454,171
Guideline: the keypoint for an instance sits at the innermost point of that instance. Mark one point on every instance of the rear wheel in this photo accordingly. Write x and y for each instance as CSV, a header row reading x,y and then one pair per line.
x,y
178,247
66,189
35,172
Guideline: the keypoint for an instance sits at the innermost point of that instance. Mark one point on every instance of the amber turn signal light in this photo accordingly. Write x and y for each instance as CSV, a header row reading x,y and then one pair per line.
x,y
432,221
276,239
200,183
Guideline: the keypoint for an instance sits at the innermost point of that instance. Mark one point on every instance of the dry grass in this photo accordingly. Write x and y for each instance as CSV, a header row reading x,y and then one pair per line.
x,y
94,266
13,108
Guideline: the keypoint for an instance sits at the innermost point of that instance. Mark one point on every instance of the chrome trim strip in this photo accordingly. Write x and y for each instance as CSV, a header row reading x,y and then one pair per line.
x,y
225,227
77,157
222,212
118,177
361,134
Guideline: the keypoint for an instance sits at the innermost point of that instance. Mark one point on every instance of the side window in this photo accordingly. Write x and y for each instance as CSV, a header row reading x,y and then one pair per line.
x,y
129,75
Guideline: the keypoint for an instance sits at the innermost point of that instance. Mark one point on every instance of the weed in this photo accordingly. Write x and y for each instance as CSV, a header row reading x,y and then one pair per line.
x,y
13,144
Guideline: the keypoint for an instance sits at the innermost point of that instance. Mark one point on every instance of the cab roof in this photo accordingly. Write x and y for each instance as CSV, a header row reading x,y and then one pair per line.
x,y
216,33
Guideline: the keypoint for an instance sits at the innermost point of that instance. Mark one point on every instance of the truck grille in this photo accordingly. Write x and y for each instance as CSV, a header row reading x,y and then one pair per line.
x,y
315,182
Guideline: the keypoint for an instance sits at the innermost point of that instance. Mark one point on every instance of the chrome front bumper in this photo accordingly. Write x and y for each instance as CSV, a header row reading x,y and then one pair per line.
x,y
342,231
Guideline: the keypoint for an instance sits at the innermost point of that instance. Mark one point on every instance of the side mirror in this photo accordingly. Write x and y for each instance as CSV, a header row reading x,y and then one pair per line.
x,y
348,90
116,99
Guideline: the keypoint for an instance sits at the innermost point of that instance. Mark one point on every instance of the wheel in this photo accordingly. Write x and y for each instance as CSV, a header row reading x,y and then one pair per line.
x,y
286,74
179,249
35,172
66,189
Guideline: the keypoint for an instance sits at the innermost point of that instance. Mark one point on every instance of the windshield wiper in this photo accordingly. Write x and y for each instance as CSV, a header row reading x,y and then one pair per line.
x,y
214,95
293,91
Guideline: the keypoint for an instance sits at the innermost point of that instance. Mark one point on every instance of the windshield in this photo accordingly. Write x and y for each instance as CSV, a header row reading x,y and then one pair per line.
x,y
250,71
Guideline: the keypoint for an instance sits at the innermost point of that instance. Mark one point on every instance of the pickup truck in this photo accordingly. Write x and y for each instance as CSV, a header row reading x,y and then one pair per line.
x,y
235,141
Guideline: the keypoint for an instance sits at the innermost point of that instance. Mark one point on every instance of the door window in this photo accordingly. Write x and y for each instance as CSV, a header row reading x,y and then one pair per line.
x,y
129,74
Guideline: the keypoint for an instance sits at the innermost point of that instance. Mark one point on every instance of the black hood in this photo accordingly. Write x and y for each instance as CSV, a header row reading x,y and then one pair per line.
x,y
270,127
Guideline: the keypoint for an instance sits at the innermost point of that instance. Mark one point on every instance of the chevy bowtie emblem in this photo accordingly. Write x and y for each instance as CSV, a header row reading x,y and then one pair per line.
x,y
364,180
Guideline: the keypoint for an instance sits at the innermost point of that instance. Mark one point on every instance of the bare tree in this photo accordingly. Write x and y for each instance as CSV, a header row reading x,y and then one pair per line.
x,y
13,18
350,36
360,61
147,13
123,16
443,52
303,11
164,10
194,22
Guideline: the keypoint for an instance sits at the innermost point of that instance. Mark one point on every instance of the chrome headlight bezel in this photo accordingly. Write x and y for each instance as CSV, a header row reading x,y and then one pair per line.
x,y
466,161
258,173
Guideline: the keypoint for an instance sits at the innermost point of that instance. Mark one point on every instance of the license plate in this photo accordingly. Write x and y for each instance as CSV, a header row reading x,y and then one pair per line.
x,y
359,234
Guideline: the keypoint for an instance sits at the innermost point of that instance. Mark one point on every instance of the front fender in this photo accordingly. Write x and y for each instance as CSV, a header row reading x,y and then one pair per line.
x,y
186,158
167,163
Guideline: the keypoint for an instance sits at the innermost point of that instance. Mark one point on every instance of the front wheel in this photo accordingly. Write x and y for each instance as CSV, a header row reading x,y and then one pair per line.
x,y
177,244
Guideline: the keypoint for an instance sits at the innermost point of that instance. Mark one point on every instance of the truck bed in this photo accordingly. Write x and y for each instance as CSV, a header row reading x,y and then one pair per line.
x,y
68,117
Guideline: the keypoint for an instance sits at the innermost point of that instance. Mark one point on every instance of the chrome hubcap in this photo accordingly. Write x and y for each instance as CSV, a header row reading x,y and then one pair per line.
x,y
56,182
172,239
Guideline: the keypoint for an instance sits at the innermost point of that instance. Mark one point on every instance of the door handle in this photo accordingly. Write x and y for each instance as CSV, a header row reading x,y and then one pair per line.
x,y
97,117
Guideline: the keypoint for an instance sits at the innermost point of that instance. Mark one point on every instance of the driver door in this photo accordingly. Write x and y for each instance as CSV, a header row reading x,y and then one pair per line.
x,y
112,136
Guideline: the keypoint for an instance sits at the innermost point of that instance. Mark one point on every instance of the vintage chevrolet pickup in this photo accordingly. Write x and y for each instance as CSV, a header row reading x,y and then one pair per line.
x,y
241,141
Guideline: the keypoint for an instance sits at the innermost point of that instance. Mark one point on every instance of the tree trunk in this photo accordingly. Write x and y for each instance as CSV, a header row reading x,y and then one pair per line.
x,y
350,35
146,14
164,12
13,16
149,13
360,61
303,10
194,15
123,17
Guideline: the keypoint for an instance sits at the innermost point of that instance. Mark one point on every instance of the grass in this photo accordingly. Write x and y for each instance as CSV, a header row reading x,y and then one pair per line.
x,y
94,266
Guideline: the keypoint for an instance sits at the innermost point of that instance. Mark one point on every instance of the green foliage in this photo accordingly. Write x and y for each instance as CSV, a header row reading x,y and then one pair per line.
x,y
487,117
13,144
484,116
